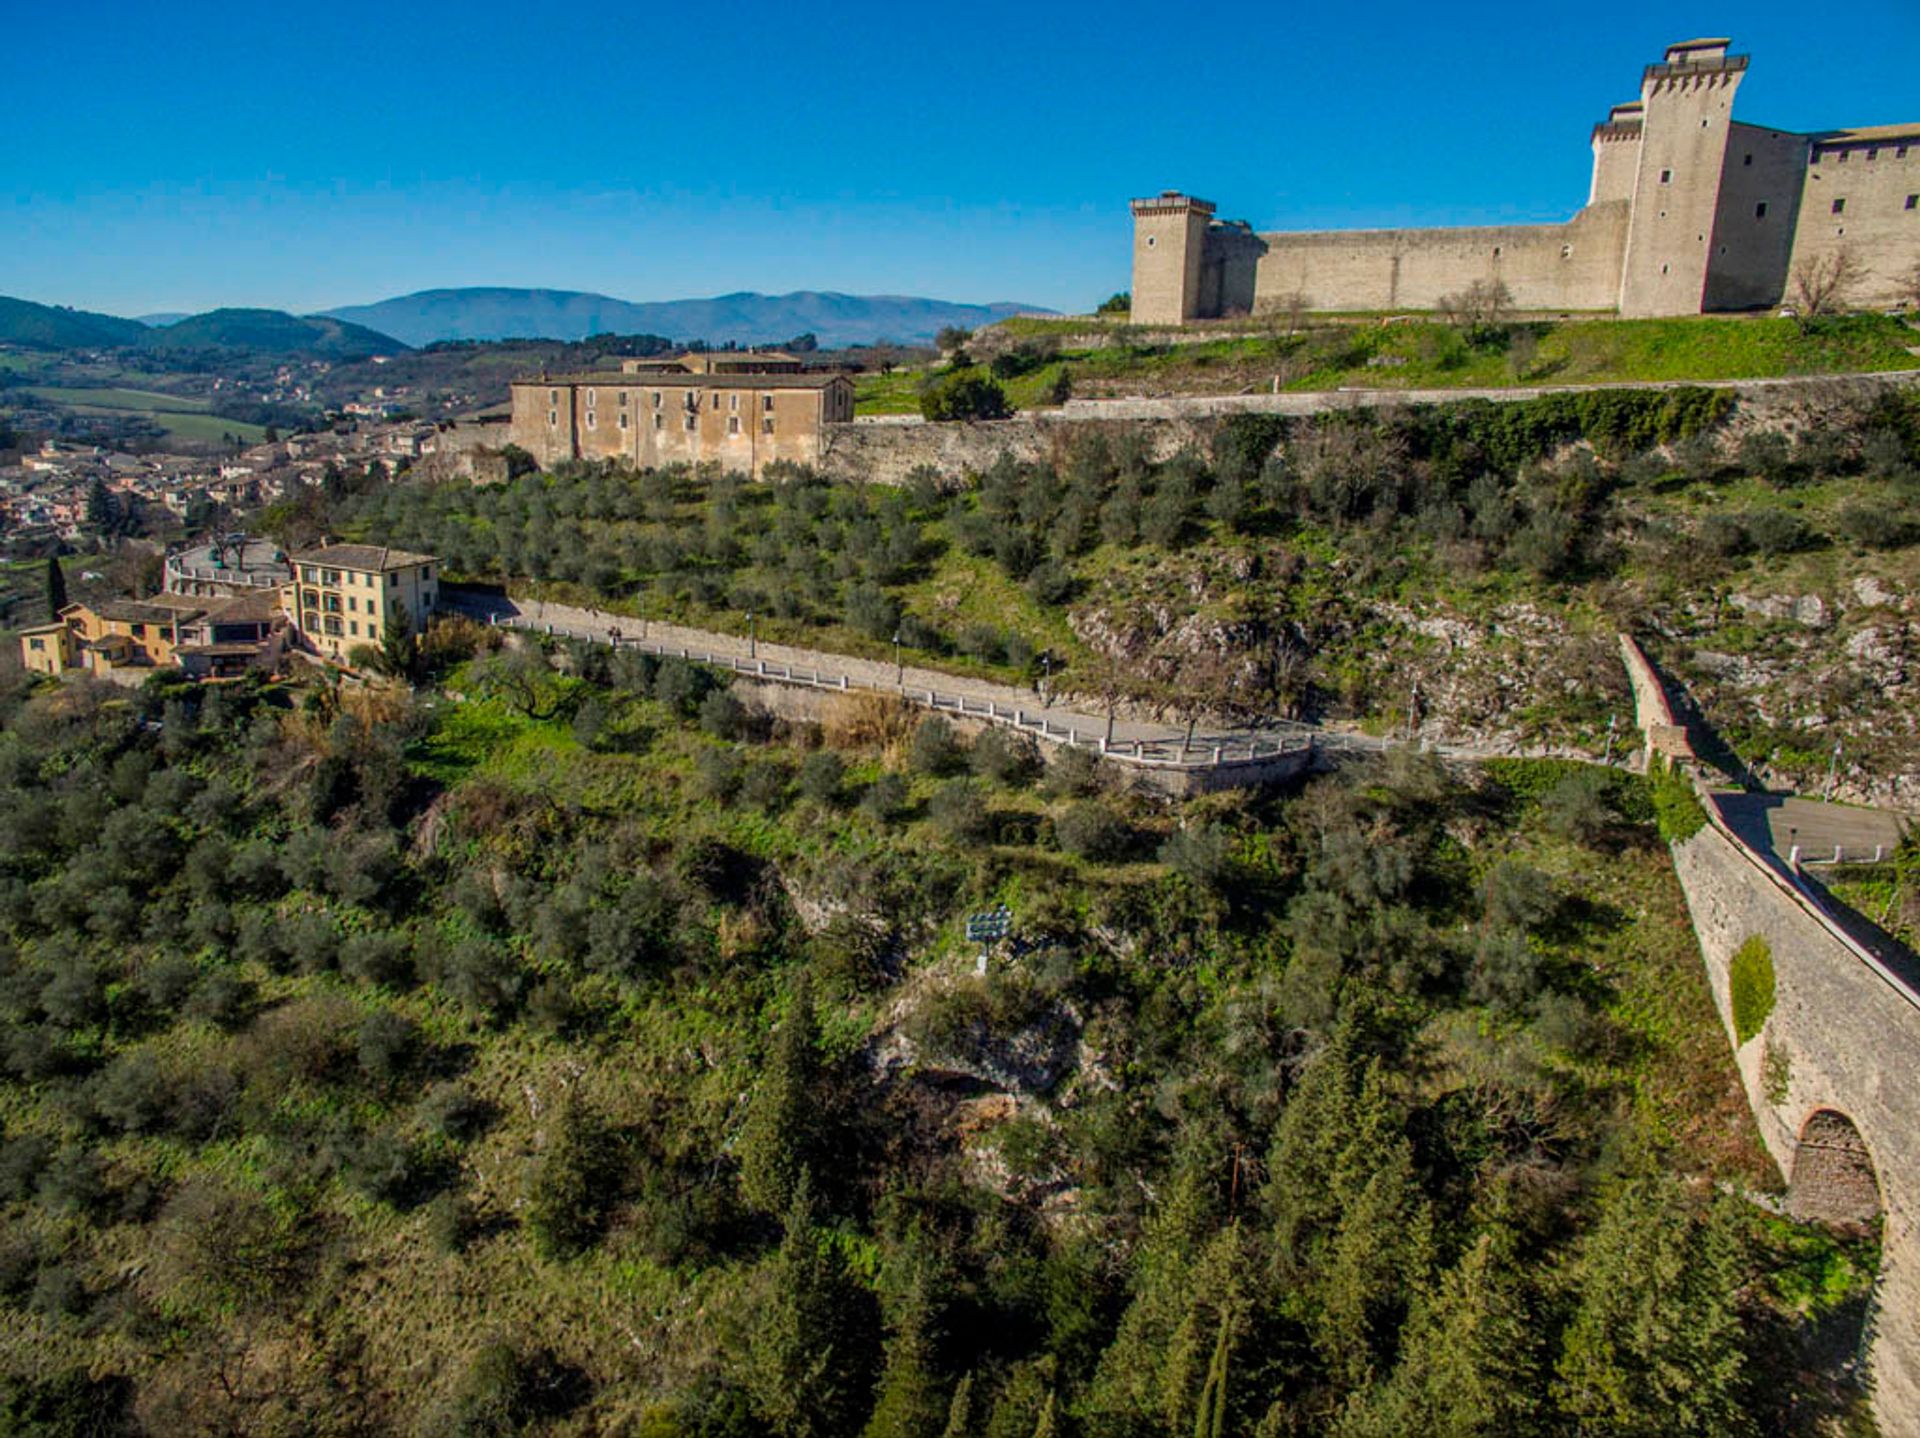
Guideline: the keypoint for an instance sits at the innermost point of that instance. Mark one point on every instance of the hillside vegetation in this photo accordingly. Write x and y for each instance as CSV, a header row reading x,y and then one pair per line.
x,y
1464,567
590,1053
55,327
1030,356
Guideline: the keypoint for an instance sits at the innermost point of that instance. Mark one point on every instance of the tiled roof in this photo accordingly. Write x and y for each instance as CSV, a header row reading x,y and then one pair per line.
x,y
614,379
365,558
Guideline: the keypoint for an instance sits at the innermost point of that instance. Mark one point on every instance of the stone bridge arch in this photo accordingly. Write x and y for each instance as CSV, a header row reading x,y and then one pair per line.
x,y
1831,1178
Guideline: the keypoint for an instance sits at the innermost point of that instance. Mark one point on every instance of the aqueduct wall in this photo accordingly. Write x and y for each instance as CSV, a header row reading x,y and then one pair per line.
x,y
1830,1075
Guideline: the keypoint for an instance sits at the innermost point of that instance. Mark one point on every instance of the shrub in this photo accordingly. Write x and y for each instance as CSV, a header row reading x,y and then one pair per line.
x,y
385,1168
1577,809
224,999
570,1185
1202,856
131,1093
723,716
935,751
1004,758
964,397
717,774
1090,830
1750,980
764,785
386,1046
886,798
1767,455
1676,808
1775,531
960,814
1874,526
452,1112
378,956
822,777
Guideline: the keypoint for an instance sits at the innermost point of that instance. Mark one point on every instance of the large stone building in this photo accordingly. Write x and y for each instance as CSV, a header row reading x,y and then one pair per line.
x,y
741,409
1691,211
343,595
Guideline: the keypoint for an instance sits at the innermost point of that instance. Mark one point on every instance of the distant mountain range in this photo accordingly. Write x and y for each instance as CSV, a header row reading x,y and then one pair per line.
x,y
357,331
745,318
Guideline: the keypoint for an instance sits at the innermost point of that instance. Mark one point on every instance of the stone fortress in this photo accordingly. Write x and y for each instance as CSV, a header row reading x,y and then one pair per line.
x,y
1691,212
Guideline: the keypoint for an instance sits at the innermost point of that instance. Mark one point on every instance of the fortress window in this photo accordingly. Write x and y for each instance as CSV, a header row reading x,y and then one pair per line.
x,y
766,403
1913,202
623,396
623,420
1840,156
1901,153
766,426
733,401
1149,241
733,424
1873,154
659,421
693,421
1760,210
591,423
1666,269
1496,252
656,399
1840,207
553,396
1566,252
1666,177
1747,161
553,417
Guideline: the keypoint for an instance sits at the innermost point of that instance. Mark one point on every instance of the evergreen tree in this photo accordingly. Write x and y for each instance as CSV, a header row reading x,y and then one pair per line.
x,y
1655,1344
566,1193
960,1410
103,512
910,1403
56,587
809,1361
777,1142
1470,1366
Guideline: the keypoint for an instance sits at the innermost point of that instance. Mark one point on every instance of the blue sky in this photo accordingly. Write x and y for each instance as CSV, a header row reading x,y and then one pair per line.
x,y
182,156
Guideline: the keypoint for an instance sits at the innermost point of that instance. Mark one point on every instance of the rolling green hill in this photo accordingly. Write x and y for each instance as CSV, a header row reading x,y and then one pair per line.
x,y
272,332
54,327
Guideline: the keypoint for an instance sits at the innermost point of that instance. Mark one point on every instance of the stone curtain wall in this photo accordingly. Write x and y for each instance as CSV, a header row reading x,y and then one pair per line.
x,y
1575,266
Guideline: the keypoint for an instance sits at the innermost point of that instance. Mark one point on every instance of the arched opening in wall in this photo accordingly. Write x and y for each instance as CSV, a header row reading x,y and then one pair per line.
x,y
1833,1179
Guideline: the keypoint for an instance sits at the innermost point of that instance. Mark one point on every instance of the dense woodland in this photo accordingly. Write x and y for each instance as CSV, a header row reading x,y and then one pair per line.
x,y
560,1044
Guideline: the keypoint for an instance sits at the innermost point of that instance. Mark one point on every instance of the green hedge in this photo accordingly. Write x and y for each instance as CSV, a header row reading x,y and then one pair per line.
x,y
1676,807
1750,975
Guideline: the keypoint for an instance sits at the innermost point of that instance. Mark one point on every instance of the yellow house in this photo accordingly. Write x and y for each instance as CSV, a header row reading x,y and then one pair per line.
x,y
47,648
128,633
343,595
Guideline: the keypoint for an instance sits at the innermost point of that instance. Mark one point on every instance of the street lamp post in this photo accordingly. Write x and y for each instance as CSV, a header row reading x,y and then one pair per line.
x,y
1612,719
1833,765
753,640
1046,677
899,664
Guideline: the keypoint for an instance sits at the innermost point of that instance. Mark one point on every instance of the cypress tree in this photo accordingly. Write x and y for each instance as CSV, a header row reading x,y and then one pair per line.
x,y
56,587
910,1404
960,1410
777,1142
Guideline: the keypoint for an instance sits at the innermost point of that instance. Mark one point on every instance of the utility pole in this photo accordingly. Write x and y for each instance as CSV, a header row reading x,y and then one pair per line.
x,y
899,664
1612,720
753,641
1833,765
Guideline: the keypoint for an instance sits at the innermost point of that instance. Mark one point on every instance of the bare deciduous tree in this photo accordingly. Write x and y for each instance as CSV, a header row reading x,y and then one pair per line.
x,y
1484,302
1292,307
1821,282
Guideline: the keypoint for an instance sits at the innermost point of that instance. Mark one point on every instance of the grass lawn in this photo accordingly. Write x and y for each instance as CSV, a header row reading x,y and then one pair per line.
x,y
1429,355
147,401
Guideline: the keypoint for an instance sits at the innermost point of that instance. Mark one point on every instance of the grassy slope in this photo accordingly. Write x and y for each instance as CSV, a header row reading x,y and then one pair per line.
x,y
1424,355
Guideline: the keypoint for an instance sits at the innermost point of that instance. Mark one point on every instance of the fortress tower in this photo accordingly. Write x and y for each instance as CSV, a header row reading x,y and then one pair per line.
x,y
1686,108
1690,212
1169,239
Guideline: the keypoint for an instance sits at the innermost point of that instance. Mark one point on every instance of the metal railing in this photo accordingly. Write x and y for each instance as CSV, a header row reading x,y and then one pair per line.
x,y
1158,754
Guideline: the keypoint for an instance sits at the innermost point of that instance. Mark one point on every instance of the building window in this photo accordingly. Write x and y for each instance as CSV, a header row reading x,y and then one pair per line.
x,y
1913,202
590,394
733,401
353,628
1496,252
766,426
553,419
733,424
592,423
1901,153
1666,177
1840,206
553,396
1149,241
332,576
313,619
693,421
1748,161
623,419
1873,154
333,626
659,421
1666,269
1760,210
623,396
656,399
766,403
1840,156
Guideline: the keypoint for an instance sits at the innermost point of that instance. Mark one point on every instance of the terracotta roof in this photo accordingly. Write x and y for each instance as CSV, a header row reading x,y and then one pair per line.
x,y
614,379
364,558
258,606
161,609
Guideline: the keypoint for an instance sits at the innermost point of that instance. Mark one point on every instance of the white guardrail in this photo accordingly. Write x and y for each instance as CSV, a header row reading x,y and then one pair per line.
x,y
1141,753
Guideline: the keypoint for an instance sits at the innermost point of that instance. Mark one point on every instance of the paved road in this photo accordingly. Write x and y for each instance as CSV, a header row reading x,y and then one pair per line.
x,y
1779,823
1130,737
